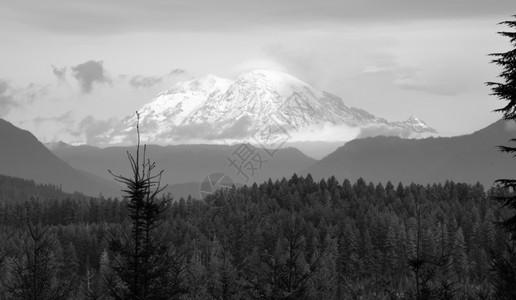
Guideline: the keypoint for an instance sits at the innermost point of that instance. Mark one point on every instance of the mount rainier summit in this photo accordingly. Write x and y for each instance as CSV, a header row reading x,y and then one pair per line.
x,y
260,106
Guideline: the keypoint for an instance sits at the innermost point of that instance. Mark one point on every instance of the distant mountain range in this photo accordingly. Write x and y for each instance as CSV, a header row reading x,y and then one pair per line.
x,y
23,156
186,166
263,107
469,158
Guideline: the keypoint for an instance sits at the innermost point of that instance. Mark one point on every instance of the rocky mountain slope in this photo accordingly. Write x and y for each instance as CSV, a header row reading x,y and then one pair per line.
x,y
262,106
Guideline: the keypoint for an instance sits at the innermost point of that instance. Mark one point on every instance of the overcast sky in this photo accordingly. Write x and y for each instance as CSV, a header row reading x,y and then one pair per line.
x,y
70,69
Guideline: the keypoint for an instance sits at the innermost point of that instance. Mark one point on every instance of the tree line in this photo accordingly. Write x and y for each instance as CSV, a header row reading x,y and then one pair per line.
x,y
287,239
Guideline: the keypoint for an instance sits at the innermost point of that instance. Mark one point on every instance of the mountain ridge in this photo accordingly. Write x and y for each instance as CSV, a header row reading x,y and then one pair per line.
x,y
23,156
188,164
467,158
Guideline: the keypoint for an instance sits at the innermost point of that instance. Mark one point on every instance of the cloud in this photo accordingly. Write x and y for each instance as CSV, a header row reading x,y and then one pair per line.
x,y
377,130
301,62
93,131
263,63
200,131
118,16
440,87
89,73
60,73
177,71
33,92
433,79
7,101
187,132
382,63
139,81
240,129
66,119
13,97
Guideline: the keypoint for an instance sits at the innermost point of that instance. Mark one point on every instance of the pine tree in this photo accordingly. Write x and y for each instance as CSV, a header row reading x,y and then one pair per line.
x,y
507,91
504,267
70,261
459,254
291,269
144,260
223,275
34,272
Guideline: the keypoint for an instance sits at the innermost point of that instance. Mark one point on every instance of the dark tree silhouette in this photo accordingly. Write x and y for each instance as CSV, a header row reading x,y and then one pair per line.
x,y
507,91
144,261
504,266
34,271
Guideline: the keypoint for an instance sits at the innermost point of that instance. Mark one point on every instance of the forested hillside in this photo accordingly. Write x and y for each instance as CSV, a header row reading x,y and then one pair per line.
x,y
469,158
13,189
288,239
23,156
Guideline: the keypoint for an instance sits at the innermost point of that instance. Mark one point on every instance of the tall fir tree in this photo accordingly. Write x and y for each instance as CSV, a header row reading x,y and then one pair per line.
x,y
504,266
144,259
506,91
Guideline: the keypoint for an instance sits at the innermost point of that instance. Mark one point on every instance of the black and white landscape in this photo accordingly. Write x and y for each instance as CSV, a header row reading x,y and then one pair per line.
x,y
257,150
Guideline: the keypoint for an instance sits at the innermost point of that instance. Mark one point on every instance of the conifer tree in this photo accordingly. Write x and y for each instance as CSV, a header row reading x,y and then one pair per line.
x,y
34,272
507,91
223,275
504,267
144,260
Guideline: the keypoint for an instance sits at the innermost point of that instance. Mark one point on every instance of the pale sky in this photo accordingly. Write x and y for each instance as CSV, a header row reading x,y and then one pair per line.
x,y
70,69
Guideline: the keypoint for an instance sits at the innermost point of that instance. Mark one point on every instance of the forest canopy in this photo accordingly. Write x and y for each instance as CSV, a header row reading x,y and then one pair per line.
x,y
291,238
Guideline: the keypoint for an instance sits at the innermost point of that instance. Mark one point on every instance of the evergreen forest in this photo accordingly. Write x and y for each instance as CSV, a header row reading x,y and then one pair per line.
x,y
291,239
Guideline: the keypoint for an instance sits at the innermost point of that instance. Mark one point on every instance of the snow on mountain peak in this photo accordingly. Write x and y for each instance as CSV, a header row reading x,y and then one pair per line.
x,y
414,119
211,109
279,81
176,103
274,77
416,124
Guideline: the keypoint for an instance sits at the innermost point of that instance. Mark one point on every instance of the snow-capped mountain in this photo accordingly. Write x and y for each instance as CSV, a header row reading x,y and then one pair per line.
x,y
262,105
413,123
